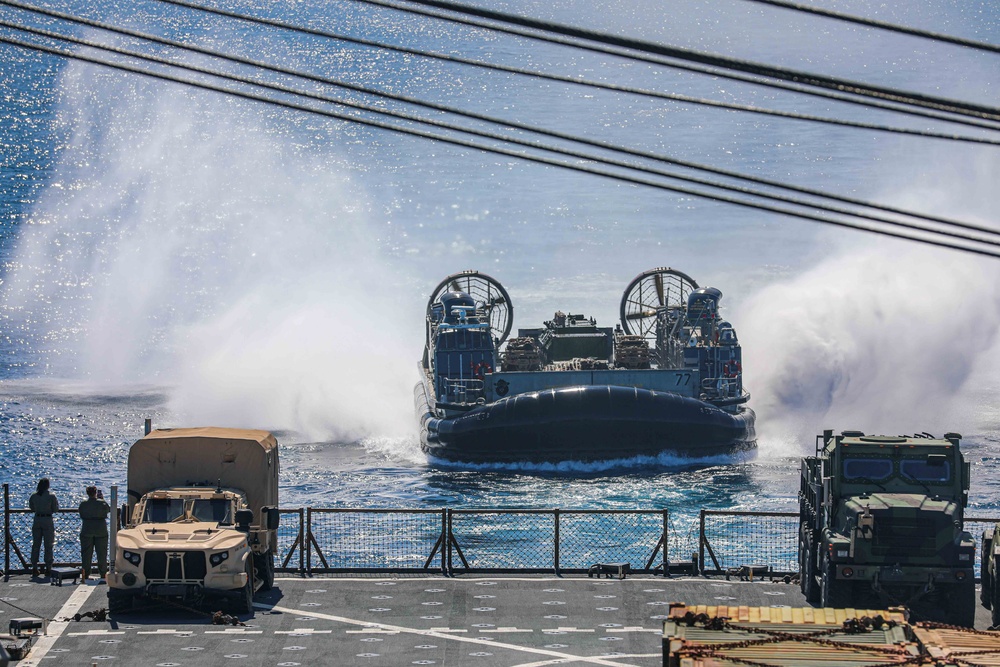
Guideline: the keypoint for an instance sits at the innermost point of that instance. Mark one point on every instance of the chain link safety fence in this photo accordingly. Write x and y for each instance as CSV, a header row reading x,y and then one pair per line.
x,y
312,540
500,540
65,549
371,539
682,542
589,537
291,555
734,540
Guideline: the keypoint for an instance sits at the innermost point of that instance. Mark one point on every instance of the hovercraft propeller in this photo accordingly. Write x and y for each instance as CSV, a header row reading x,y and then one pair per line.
x,y
488,293
650,293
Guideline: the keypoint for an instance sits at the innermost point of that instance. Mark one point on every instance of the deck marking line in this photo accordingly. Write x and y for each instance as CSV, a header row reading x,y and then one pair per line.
x,y
485,630
561,661
303,631
233,631
568,630
474,580
633,629
469,640
90,633
56,628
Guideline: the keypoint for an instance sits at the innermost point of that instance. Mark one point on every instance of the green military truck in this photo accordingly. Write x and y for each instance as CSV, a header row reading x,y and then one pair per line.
x,y
881,524
990,578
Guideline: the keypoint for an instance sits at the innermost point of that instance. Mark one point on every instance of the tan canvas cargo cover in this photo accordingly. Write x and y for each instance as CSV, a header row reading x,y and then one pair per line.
x,y
243,459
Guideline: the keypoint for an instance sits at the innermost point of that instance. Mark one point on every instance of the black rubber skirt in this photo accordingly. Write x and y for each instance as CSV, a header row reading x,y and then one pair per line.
x,y
586,423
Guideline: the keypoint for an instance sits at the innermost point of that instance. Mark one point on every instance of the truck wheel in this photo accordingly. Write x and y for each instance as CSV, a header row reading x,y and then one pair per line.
x,y
265,569
994,592
962,605
807,572
834,594
984,571
244,603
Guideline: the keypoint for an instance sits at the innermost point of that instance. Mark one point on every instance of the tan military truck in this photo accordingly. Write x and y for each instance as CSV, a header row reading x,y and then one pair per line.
x,y
201,520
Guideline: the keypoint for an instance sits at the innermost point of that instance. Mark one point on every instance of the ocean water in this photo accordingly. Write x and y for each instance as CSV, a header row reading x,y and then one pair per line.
x,y
203,260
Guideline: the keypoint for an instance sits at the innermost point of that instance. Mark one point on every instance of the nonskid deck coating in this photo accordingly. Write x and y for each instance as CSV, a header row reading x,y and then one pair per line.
x,y
406,620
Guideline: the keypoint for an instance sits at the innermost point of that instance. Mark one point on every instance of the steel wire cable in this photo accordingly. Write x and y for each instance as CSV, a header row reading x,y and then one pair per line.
x,y
643,92
507,123
506,139
882,25
821,85
507,152
824,94
809,78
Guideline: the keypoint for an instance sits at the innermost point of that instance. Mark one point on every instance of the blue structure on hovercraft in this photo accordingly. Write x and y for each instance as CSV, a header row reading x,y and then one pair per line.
x,y
667,378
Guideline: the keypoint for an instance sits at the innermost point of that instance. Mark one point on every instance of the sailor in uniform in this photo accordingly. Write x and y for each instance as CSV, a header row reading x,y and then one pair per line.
x,y
94,532
44,504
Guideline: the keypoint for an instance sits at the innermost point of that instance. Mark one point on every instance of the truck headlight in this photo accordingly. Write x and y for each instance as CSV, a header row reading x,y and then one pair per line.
x,y
842,553
965,557
132,557
216,559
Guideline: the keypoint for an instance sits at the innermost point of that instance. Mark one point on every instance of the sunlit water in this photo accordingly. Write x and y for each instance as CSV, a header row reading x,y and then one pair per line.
x,y
198,260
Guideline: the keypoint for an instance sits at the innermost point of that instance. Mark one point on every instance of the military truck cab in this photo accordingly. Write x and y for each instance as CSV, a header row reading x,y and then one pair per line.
x,y
187,504
187,540
881,523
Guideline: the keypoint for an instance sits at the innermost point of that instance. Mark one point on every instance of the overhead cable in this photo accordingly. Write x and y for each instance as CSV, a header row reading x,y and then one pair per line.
x,y
914,99
484,118
510,153
696,69
565,79
882,25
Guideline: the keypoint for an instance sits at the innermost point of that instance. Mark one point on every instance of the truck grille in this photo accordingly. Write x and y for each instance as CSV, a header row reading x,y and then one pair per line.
x,y
896,536
158,565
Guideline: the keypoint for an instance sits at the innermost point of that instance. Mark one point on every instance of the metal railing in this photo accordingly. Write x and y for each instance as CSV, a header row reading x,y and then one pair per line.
x,y
558,541
731,540
362,540
454,541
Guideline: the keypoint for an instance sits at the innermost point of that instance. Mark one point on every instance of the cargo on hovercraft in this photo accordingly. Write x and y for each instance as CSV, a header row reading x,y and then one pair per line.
x,y
667,378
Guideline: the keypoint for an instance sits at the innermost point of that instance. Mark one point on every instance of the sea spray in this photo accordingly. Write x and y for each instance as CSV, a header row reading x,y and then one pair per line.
x,y
186,244
880,335
883,339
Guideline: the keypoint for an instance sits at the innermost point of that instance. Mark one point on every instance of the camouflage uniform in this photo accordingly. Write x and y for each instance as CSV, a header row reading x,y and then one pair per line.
x,y
94,534
43,529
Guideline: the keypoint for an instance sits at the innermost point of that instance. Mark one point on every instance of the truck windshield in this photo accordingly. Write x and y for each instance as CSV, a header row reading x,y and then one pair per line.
x,y
163,510
873,469
921,470
216,510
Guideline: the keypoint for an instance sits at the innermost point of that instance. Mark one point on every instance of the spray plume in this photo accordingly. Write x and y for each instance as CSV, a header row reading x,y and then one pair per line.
x,y
183,242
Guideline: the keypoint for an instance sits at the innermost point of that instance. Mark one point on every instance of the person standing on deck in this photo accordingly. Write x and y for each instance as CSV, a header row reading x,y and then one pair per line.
x,y
94,532
44,504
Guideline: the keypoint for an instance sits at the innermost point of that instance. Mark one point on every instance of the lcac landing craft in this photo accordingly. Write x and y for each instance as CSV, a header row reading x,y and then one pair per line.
x,y
667,378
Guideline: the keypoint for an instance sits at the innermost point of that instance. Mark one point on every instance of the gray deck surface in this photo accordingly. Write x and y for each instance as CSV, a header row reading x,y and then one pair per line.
x,y
384,620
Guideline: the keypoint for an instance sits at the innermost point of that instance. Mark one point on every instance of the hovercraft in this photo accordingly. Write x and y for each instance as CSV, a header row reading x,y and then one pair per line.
x,y
668,378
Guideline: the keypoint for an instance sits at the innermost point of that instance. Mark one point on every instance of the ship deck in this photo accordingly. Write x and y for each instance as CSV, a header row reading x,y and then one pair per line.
x,y
508,620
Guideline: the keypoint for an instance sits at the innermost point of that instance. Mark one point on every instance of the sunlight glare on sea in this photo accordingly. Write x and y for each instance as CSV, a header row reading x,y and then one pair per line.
x,y
198,259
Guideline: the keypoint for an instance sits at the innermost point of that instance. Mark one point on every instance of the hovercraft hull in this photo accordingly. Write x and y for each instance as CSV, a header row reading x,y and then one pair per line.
x,y
585,423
